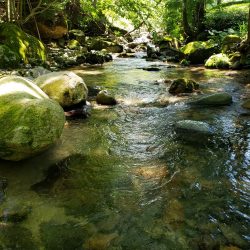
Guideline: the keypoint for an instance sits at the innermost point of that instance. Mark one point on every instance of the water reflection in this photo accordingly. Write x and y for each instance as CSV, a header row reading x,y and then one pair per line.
x,y
122,179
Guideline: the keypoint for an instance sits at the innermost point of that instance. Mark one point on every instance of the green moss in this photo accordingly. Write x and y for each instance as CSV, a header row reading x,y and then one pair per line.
x,y
183,85
27,48
219,61
193,46
8,58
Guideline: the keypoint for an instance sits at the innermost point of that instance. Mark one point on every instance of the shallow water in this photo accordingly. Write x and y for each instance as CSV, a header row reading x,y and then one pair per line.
x,y
122,179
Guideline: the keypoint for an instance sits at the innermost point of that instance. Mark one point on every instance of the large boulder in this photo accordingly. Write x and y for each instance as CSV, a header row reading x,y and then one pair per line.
x,y
217,99
30,120
16,47
218,61
230,43
183,85
65,87
197,52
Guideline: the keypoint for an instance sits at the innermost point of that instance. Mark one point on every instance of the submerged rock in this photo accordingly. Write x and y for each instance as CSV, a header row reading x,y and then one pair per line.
x,y
65,87
56,173
30,121
3,186
69,235
246,104
17,237
193,131
104,98
14,213
218,61
190,126
183,85
218,99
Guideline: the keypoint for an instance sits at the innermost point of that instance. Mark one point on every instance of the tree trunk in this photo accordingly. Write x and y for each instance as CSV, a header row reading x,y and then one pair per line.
x,y
248,36
187,29
200,16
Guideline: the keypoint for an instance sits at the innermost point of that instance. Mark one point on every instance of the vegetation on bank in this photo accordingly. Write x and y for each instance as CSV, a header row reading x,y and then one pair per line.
x,y
69,23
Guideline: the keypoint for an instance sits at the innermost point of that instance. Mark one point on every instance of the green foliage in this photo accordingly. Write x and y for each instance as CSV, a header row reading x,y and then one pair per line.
x,y
25,47
230,17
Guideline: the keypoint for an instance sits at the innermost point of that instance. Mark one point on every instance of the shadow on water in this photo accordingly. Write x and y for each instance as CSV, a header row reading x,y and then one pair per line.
x,y
124,179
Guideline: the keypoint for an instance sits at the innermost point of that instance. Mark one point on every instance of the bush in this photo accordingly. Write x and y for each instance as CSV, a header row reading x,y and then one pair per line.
x,y
229,17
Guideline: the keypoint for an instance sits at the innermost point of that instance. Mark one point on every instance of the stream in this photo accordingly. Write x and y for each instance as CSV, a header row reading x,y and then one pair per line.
x,y
123,179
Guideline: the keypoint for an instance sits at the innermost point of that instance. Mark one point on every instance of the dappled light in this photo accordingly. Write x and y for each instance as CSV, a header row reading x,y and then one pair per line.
x,y
124,125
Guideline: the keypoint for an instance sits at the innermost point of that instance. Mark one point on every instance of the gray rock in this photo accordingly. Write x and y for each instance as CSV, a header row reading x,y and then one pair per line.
x,y
197,132
218,99
190,126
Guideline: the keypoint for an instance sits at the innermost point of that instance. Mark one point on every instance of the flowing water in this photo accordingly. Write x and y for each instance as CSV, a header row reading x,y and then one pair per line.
x,y
122,179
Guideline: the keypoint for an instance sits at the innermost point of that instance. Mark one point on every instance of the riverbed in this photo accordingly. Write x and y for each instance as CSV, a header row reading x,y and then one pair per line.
x,y
123,179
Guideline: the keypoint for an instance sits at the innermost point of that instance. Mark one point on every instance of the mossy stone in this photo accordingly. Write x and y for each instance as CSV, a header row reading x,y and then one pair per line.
x,y
183,85
8,58
218,61
230,43
30,121
27,48
198,51
65,87
104,98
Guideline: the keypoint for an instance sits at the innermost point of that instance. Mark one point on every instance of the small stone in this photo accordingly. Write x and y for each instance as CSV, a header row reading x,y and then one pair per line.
x,y
183,85
104,98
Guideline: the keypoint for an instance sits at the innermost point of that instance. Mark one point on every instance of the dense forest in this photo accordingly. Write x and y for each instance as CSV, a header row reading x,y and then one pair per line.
x,y
124,124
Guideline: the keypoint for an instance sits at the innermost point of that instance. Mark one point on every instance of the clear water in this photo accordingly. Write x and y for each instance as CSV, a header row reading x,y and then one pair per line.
x,y
127,181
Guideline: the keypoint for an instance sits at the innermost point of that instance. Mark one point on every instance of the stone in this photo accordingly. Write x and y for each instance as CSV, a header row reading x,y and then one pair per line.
x,y
100,241
230,43
246,104
197,52
30,120
217,99
104,98
218,61
14,213
65,87
115,48
183,85
38,71
191,126
3,186
97,57
194,132
19,47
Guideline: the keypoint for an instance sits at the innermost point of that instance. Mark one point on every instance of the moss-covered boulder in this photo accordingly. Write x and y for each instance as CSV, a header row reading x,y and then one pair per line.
x,y
104,98
30,122
218,61
16,46
197,52
182,85
65,87
8,58
217,99
230,43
